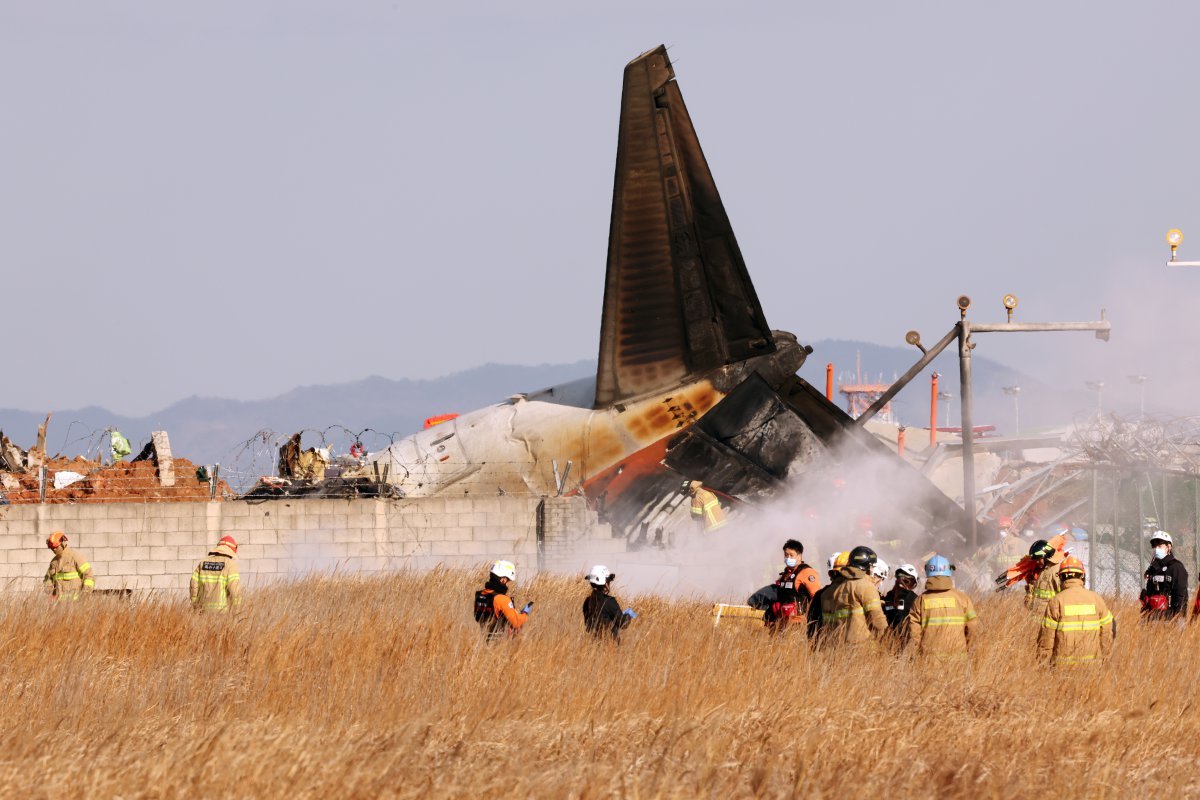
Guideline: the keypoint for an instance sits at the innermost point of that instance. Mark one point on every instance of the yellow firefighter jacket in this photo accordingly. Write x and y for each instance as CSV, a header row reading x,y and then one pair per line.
x,y
706,506
1048,584
942,620
216,585
1077,627
850,609
68,575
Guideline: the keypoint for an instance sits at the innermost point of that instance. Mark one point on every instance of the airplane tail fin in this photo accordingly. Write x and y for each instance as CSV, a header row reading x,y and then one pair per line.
x,y
677,297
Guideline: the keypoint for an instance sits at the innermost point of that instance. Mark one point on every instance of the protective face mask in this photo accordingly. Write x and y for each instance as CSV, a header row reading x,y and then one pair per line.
x,y
790,562
1160,553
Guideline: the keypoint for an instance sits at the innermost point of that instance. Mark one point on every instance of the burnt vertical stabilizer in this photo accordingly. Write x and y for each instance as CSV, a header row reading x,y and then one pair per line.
x,y
677,297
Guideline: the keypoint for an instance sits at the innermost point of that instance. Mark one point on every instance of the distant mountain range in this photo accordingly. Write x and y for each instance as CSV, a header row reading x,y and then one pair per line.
x,y
234,432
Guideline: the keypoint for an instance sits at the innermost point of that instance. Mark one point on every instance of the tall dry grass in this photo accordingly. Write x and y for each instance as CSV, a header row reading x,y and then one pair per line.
x,y
364,687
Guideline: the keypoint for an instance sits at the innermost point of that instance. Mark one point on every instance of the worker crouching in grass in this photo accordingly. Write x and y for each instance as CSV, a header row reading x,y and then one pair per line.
x,y
602,614
1078,628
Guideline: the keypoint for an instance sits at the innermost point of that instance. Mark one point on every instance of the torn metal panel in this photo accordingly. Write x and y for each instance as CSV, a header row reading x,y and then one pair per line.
x,y
745,445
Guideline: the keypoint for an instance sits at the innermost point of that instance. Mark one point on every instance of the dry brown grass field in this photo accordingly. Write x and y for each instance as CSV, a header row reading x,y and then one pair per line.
x,y
381,687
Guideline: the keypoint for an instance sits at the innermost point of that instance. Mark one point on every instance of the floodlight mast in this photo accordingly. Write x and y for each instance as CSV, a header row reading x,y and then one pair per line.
x,y
1174,239
962,331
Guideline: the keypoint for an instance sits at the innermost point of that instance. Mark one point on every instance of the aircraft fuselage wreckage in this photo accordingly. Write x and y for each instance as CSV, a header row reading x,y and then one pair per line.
x,y
691,383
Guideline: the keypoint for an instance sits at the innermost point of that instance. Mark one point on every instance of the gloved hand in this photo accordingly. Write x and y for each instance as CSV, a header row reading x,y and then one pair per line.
x,y
527,607
629,612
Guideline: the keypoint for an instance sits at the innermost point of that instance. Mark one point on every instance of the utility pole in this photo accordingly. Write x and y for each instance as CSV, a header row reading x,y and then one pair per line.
x,y
1015,393
962,331
1140,380
1098,388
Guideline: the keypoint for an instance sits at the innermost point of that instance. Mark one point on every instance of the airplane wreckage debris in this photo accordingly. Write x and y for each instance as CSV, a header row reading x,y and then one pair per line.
x,y
154,475
691,383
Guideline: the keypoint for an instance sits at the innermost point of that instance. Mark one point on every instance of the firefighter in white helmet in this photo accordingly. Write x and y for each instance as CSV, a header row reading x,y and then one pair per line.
x,y
495,610
602,614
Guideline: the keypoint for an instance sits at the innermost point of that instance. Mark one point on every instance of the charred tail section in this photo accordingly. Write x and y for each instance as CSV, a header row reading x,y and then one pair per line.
x,y
677,297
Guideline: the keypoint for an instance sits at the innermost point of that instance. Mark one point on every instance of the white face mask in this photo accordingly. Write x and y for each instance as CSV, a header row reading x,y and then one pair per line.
x,y
1160,552
789,562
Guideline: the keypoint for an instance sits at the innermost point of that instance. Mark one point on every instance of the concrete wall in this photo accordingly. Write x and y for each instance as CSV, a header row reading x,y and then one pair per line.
x,y
156,545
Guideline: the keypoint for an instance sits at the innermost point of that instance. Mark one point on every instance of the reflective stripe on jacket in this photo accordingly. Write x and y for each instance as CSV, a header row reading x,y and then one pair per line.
x,y
1040,592
216,584
942,619
1077,627
68,575
851,611
705,504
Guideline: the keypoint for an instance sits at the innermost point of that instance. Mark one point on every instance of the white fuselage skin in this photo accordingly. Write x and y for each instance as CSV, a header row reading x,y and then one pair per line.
x,y
511,447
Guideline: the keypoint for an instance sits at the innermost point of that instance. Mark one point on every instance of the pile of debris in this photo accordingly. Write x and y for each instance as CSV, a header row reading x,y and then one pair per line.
x,y
154,475
315,473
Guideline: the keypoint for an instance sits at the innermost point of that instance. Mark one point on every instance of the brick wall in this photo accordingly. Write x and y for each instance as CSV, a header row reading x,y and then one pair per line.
x,y
156,545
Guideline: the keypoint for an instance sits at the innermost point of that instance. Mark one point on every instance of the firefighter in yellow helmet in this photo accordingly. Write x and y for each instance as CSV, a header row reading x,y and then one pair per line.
x,y
216,585
1077,628
69,574
706,508
942,619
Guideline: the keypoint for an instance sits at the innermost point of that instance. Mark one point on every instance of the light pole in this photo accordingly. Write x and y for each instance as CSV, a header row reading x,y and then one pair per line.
x,y
1174,239
1098,388
962,331
947,397
1015,393
1140,380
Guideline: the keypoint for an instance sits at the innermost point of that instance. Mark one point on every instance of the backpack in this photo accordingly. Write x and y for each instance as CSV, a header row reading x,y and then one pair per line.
x,y
484,610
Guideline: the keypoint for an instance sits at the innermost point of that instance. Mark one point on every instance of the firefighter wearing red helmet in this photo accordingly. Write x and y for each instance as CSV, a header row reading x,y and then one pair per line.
x,y
216,585
1077,627
69,574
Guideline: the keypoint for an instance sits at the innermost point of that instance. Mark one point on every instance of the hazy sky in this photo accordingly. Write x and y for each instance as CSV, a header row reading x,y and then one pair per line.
x,y
234,198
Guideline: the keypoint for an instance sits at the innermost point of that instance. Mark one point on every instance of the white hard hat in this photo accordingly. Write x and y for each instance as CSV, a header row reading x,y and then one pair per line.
x,y
906,569
505,569
599,576
833,561
880,570
1161,536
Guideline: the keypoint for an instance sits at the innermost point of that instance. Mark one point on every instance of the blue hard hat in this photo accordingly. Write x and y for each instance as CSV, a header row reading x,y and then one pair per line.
x,y
937,567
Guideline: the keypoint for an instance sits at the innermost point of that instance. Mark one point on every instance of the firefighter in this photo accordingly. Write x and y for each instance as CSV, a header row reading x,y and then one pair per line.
x,y
942,619
814,626
898,602
1045,583
1077,628
794,590
495,611
879,573
216,585
69,574
1008,549
1166,592
851,612
602,614
706,508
